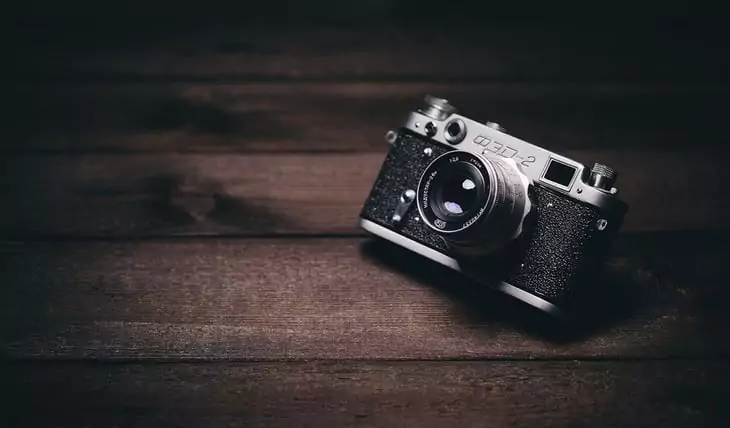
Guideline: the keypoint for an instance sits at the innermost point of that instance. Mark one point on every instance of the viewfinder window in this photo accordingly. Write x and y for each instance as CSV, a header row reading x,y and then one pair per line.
x,y
560,173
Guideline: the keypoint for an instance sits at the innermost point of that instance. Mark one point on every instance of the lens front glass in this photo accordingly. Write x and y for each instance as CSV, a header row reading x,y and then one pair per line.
x,y
454,191
457,192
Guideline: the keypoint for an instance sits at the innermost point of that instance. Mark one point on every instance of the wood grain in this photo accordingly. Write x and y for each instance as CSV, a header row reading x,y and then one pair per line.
x,y
326,117
273,299
263,194
410,50
124,145
369,394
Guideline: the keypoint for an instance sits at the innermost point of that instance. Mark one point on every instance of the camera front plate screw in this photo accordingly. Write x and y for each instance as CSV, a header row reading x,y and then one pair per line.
x,y
428,151
416,219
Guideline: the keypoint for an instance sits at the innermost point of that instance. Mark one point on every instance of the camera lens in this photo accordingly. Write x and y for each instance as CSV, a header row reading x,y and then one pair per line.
x,y
476,203
457,190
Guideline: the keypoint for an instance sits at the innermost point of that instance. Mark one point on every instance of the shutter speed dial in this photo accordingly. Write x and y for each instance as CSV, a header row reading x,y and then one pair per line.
x,y
437,108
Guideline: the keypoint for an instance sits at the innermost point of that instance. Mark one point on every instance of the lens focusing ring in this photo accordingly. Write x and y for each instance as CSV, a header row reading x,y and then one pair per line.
x,y
500,209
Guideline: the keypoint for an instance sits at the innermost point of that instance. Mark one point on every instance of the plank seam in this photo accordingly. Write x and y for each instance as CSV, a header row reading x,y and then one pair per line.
x,y
225,79
163,361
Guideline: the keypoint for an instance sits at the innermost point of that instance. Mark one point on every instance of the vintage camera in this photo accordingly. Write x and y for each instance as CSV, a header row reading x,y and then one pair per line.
x,y
505,212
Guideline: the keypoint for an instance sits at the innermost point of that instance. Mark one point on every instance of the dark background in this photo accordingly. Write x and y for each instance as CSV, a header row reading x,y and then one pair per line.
x,y
182,182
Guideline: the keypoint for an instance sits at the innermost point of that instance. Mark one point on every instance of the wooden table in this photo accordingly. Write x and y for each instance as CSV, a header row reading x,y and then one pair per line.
x,y
179,241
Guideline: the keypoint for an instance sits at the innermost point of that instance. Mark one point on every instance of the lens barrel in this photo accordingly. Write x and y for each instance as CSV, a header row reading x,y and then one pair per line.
x,y
477,203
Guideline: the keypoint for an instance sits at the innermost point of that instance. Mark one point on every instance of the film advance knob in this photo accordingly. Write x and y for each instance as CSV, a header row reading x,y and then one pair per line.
x,y
602,176
438,108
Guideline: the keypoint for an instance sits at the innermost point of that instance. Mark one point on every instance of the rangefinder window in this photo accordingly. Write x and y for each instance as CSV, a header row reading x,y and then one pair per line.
x,y
560,173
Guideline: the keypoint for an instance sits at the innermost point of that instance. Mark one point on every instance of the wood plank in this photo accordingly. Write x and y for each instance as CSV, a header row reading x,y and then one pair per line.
x,y
366,394
263,194
352,116
376,50
273,299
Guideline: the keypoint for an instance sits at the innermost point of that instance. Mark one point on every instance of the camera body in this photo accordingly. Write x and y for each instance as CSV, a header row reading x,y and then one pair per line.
x,y
506,213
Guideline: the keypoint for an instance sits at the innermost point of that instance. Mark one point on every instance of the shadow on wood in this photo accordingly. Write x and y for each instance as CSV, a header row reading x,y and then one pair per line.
x,y
618,294
202,205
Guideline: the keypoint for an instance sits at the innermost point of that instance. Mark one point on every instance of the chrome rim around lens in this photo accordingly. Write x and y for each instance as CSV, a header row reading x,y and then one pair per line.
x,y
477,204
